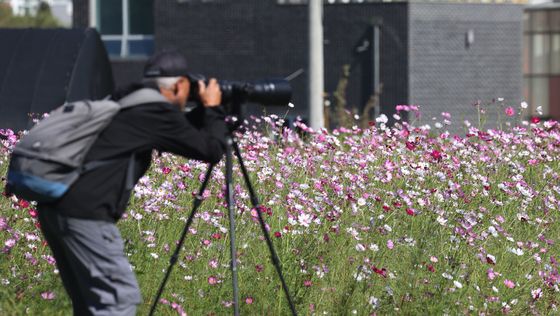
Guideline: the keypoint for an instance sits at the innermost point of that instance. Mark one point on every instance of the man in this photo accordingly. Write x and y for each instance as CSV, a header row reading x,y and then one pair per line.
x,y
80,227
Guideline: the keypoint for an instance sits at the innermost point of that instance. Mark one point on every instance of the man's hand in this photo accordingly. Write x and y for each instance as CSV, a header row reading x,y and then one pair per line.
x,y
210,95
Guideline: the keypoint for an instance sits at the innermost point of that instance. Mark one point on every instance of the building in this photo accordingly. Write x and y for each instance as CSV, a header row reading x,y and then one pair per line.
x,y
541,56
440,55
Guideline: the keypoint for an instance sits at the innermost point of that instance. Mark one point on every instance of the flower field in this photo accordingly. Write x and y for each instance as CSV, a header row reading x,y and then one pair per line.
x,y
410,220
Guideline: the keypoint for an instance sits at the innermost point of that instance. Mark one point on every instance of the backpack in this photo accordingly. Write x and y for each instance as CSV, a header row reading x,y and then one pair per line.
x,y
50,157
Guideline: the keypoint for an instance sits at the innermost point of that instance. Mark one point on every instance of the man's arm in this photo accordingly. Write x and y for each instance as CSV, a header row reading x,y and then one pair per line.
x,y
173,133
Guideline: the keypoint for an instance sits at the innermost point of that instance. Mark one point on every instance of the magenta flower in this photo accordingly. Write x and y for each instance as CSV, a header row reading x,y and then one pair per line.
x,y
510,111
436,154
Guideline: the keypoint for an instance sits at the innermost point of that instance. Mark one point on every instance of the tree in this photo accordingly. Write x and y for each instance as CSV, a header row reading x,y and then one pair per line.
x,y
43,18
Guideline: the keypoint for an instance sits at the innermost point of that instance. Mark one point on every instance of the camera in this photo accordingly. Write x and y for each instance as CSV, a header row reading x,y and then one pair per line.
x,y
277,92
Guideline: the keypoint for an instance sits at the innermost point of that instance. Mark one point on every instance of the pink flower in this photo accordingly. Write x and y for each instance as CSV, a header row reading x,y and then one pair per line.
x,y
491,274
10,243
3,223
536,294
307,283
212,280
213,263
166,170
249,300
390,244
509,283
510,111
48,296
389,165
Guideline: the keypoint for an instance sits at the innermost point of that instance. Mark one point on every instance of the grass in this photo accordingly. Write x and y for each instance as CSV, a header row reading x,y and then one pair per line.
x,y
362,225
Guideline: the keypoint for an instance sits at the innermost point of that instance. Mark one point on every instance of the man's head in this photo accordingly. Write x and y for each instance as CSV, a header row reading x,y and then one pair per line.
x,y
168,71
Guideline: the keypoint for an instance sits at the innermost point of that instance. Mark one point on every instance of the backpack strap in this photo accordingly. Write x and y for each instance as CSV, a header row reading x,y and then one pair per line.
x,y
142,96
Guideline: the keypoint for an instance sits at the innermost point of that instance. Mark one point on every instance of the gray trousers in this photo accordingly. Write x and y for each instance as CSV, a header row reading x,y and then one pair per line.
x,y
90,258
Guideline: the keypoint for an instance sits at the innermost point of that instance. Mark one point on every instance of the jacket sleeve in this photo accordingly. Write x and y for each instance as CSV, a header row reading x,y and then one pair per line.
x,y
206,142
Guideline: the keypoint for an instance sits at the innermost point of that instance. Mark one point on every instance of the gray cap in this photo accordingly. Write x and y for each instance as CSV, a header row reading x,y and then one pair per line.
x,y
167,63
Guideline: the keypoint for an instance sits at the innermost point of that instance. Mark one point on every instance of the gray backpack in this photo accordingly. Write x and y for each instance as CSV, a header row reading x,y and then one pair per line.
x,y
50,157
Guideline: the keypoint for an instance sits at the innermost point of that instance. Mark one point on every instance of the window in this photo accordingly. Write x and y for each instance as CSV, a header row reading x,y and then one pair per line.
x,y
126,26
541,64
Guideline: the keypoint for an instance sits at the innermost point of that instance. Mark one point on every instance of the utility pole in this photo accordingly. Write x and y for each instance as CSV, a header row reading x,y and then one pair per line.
x,y
316,72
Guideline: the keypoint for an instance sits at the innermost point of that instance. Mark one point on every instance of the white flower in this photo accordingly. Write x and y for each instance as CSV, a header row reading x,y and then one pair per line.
x,y
539,110
458,284
304,219
517,251
524,105
373,301
382,119
361,201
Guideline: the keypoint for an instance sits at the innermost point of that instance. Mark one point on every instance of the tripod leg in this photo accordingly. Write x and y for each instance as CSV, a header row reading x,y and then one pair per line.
x,y
230,203
257,206
196,203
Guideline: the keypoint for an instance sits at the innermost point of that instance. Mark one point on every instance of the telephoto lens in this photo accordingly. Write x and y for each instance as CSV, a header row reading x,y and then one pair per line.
x,y
274,92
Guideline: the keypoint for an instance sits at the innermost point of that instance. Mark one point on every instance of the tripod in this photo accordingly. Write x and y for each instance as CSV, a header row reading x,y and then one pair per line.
x,y
231,147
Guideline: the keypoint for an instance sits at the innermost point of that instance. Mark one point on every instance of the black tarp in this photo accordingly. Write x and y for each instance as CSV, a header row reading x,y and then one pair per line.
x,y
40,69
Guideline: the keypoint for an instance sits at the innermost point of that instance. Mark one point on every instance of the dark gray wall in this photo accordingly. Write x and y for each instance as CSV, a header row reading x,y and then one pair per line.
x,y
251,39
424,59
445,75
80,13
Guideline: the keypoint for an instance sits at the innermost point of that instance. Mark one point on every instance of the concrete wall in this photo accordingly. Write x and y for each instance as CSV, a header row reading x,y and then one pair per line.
x,y
447,75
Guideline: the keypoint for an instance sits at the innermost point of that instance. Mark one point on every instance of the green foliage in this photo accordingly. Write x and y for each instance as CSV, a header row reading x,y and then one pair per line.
x,y
43,18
